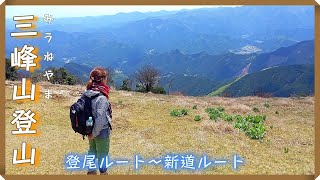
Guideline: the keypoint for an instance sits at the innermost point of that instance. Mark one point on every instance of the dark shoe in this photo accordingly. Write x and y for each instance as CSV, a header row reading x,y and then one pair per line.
x,y
104,173
92,173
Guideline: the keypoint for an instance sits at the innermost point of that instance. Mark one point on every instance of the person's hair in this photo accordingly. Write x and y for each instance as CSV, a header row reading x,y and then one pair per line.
x,y
97,75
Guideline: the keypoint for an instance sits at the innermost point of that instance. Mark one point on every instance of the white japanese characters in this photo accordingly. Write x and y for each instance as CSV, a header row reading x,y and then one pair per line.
x,y
23,121
22,24
24,59
23,95
23,159
48,18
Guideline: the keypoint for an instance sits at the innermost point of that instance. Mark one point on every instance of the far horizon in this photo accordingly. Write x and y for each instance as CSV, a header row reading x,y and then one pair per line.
x,y
77,11
206,48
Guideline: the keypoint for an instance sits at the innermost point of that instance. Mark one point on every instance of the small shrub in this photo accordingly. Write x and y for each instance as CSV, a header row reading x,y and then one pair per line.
x,y
252,125
197,118
221,109
237,117
120,102
62,76
195,107
214,113
227,117
286,150
179,112
174,112
242,124
277,112
213,117
184,112
158,90
126,85
256,131
256,119
266,105
255,109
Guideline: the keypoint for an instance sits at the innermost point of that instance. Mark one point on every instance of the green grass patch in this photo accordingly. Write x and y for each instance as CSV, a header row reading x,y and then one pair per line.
x,y
215,113
179,112
220,90
197,118
252,126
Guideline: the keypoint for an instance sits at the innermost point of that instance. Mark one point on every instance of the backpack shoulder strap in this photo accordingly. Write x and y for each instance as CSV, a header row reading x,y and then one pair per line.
x,y
88,103
97,95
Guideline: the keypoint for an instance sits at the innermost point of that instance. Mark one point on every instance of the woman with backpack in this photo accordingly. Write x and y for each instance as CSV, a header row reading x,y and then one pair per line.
x,y
99,140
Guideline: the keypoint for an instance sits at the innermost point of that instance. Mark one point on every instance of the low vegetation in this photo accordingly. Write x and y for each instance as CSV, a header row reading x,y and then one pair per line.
x,y
179,112
197,118
142,124
252,126
255,109
11,72
267,105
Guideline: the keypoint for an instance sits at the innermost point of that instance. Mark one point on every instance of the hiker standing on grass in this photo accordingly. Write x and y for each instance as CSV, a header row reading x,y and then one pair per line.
x,y
99,140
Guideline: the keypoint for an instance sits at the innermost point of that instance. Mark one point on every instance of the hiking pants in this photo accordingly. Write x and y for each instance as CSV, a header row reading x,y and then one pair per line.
x,y
99,146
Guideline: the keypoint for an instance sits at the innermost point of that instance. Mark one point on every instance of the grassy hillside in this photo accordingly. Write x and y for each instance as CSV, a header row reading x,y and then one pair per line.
x,y
188,85
142,125
285,81
220,90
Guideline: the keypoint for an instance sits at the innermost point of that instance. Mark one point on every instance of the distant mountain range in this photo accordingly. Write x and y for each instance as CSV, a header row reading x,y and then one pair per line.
x,y
197,51
198,68
128,37
300,53
199,74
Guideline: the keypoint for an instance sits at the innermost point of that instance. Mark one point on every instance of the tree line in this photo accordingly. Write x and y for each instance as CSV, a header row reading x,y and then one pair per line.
x,y
146,79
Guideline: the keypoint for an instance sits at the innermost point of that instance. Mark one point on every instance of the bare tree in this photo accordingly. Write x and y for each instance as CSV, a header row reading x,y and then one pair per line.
x,y
110,76
148,77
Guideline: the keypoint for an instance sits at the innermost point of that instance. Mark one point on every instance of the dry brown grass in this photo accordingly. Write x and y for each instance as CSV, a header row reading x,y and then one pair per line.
x,y
143,125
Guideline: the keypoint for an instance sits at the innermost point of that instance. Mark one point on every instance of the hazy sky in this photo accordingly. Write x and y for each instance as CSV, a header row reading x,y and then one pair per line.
x,y
80,11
